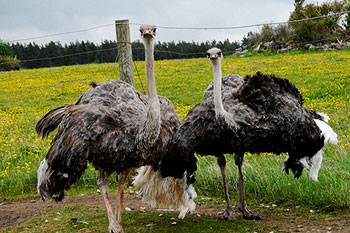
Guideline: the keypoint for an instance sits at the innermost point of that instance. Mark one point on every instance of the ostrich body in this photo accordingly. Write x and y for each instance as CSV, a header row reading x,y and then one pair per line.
x,y
251,114
112,126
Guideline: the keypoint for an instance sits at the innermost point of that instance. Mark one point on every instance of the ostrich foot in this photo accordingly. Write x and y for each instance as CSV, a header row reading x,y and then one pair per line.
x,y
115,228
228,215
247,214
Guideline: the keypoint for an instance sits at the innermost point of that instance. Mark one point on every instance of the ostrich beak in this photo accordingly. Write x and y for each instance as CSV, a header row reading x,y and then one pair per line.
x,y
213,56
148,31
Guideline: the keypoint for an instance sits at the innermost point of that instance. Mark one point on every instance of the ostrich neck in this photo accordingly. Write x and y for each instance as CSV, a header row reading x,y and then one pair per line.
x,y
224,118
151,127
151,81
219,108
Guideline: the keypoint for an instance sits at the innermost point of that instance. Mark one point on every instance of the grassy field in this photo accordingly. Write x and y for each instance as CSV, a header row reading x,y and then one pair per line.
x,y
323,78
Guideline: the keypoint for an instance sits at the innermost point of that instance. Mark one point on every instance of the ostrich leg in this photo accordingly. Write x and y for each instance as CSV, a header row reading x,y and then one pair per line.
x,y
242,205
228,213
122,179
103,184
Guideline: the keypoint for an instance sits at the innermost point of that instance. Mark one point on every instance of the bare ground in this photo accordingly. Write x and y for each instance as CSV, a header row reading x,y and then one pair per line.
x,y
16,212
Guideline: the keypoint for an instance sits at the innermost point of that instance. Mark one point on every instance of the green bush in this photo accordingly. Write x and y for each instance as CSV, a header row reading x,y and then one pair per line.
x,y
5,50
324,29
8,63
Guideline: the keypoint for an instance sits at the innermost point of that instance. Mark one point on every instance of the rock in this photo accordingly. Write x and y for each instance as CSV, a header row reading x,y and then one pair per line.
x,y
77,221
283,50
311,47
269,45
174,223
127,209
338,46
257,48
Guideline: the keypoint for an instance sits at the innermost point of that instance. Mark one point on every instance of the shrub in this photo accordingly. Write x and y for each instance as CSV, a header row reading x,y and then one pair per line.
x,y
282,33
5,50
8,63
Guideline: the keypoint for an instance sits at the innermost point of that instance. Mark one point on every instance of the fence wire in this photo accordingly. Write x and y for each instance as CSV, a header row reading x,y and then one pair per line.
x,y
179,27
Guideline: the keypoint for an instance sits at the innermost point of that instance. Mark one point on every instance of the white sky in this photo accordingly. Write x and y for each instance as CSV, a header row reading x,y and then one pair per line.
x,y
31,18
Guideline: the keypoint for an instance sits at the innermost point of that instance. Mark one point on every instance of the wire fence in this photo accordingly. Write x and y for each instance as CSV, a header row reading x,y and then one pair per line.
x,y
179,27
183,55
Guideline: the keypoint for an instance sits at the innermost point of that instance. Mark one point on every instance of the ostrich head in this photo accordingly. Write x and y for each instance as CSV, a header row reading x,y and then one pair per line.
x,y
214,55
148,33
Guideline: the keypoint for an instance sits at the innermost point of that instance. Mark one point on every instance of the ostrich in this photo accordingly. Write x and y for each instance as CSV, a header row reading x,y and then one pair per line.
x,y
112,126
260,113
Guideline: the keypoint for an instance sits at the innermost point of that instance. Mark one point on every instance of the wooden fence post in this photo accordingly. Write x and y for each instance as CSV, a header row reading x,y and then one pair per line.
x,y
126,69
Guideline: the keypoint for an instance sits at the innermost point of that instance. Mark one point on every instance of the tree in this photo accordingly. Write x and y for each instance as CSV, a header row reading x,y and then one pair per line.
x,y
323,29
5,49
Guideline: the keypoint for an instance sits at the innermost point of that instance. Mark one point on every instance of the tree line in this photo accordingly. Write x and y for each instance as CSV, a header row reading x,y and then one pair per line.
x,y
33,55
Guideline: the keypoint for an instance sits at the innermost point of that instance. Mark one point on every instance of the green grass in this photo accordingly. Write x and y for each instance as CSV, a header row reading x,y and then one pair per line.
x,y
322,77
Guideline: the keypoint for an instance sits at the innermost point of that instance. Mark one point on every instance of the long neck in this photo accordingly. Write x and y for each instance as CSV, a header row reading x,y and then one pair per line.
x,y
151,81
219,108
152,124
224,118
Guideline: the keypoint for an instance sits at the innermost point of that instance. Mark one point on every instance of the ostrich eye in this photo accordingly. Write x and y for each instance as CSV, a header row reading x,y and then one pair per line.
x,y
154,30
141,30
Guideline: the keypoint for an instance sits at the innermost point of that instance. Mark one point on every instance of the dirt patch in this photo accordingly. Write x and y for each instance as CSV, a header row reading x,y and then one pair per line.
x,y
15,212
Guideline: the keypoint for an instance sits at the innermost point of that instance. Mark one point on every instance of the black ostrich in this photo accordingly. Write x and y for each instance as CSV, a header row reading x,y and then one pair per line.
x,y
260,113
112,126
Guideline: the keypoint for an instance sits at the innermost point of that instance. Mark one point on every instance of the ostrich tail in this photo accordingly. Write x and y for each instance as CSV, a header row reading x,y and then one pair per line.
x,y
45,187
313,164
50,121
53,180
316,162
329,135
323,116
167,192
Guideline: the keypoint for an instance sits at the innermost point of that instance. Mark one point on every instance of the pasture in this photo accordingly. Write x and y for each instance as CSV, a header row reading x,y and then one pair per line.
x,y
323,78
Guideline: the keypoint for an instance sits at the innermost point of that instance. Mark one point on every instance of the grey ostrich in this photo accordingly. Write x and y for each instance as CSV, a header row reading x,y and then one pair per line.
x,y
260,113
112,126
